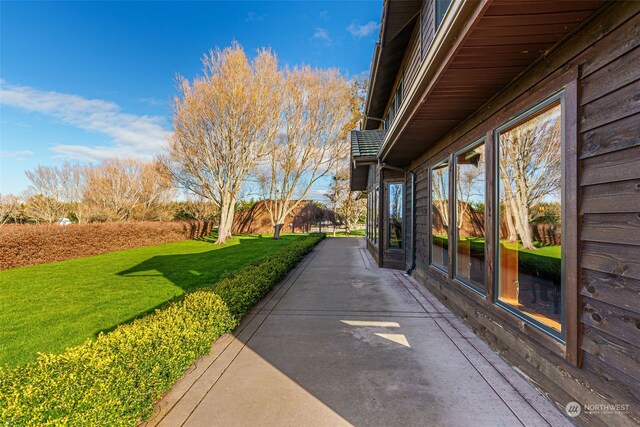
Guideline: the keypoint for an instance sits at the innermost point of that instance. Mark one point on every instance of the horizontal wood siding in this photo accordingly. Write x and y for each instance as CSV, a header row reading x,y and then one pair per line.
x,y
610,184
427,26
604,59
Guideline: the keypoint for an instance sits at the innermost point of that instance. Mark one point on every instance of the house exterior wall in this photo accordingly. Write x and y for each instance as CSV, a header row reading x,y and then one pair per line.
x,y
598,68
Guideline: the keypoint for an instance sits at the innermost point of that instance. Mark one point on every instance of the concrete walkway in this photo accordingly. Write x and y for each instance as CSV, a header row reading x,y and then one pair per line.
x,y
342,342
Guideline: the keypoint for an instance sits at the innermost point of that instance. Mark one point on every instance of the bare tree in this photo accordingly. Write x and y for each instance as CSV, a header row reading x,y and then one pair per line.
x,y
221,125
530,168
9,207
48,195
349,205
470,180
125,190
314,122
440,196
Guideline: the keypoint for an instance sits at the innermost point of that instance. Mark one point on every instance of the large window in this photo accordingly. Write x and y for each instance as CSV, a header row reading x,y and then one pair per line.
x,y
440,216
394,106
529,261
368,230
470,179
394,239
376,218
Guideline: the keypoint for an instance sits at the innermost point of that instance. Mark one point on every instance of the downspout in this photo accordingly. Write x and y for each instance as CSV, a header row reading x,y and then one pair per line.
x,y
413,222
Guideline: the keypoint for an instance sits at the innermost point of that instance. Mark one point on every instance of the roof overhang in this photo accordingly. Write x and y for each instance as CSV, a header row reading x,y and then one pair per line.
x,y
398,21
360,172
480,48
365,145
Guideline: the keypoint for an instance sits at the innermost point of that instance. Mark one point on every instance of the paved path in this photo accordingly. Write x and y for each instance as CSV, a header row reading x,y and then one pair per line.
x,y
342,342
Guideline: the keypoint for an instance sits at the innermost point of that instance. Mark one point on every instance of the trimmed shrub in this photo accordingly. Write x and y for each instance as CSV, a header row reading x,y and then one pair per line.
x,y
22,245
116,378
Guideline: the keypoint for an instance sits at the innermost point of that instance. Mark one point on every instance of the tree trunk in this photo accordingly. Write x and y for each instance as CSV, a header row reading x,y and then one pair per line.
x,y
276,230
227,210
525,230
511,228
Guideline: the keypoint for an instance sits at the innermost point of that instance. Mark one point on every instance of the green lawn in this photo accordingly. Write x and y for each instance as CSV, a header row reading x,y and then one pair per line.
x,y
48,307
354,233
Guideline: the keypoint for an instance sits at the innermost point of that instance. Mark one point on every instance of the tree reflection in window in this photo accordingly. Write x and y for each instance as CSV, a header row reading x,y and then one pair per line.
x,y
530,263
470,211
395,215
440,216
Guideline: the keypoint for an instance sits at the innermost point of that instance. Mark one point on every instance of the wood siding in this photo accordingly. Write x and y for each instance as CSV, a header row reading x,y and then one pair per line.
x,y
427,26
601,61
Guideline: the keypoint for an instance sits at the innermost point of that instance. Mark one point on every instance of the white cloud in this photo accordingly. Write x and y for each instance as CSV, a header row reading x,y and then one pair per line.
x,y
19,154
154,102
131,135
359,31
254,17
322,34
324,15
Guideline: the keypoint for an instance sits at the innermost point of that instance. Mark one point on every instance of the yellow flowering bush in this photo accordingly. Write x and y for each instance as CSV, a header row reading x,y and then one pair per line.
x,y
116,378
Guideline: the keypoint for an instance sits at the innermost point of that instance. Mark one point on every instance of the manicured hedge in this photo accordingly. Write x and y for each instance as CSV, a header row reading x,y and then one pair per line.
x,y
27,244
116,378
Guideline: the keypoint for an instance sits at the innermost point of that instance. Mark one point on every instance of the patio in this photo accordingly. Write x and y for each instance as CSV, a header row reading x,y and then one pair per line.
x,y
342,342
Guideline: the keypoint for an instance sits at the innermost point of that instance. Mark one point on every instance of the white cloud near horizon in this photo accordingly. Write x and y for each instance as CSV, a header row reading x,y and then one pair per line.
x,y
359,31
18,154
131,135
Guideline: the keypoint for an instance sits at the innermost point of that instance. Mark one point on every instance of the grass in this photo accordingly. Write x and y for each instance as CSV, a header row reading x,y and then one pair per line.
x,y
354,233
49,307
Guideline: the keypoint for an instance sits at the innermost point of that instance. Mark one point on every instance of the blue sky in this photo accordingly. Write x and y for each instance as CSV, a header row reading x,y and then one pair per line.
x,y
91,80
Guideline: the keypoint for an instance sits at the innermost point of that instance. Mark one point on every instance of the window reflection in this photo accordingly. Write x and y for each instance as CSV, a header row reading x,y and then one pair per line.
x,y
376,218
395,215
530,261
440,216
470,209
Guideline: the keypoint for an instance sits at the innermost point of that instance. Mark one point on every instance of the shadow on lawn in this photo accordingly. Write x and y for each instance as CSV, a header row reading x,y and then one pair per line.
x,y
201,270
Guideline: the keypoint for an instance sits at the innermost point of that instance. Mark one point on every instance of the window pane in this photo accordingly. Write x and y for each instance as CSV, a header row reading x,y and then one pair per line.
x,y
395,215
441,9
368,228
440,216
376,219
530,264
470,203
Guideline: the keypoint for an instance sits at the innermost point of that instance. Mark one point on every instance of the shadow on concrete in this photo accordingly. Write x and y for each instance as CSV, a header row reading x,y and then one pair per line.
x,y
337,343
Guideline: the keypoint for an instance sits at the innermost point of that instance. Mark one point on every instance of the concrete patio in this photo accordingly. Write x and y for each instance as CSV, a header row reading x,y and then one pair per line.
x,y
342,342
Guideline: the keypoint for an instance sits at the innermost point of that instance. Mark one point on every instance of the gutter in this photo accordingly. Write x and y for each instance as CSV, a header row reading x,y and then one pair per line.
x,y
461,16
376,60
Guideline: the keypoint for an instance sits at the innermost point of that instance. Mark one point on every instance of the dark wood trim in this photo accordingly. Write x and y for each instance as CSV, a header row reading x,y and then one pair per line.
x,y
570,226
380,222
452,215
489,216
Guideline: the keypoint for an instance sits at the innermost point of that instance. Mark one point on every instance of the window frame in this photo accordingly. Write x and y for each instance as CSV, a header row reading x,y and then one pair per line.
x,y
435,166
519,118
454,198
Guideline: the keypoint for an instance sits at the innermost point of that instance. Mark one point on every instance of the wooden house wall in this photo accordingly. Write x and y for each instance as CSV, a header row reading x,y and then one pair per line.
x,y
602,59
427,25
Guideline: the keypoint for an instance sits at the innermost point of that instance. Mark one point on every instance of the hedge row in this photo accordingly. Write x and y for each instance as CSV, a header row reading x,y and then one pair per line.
x,y
22,245
116,378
